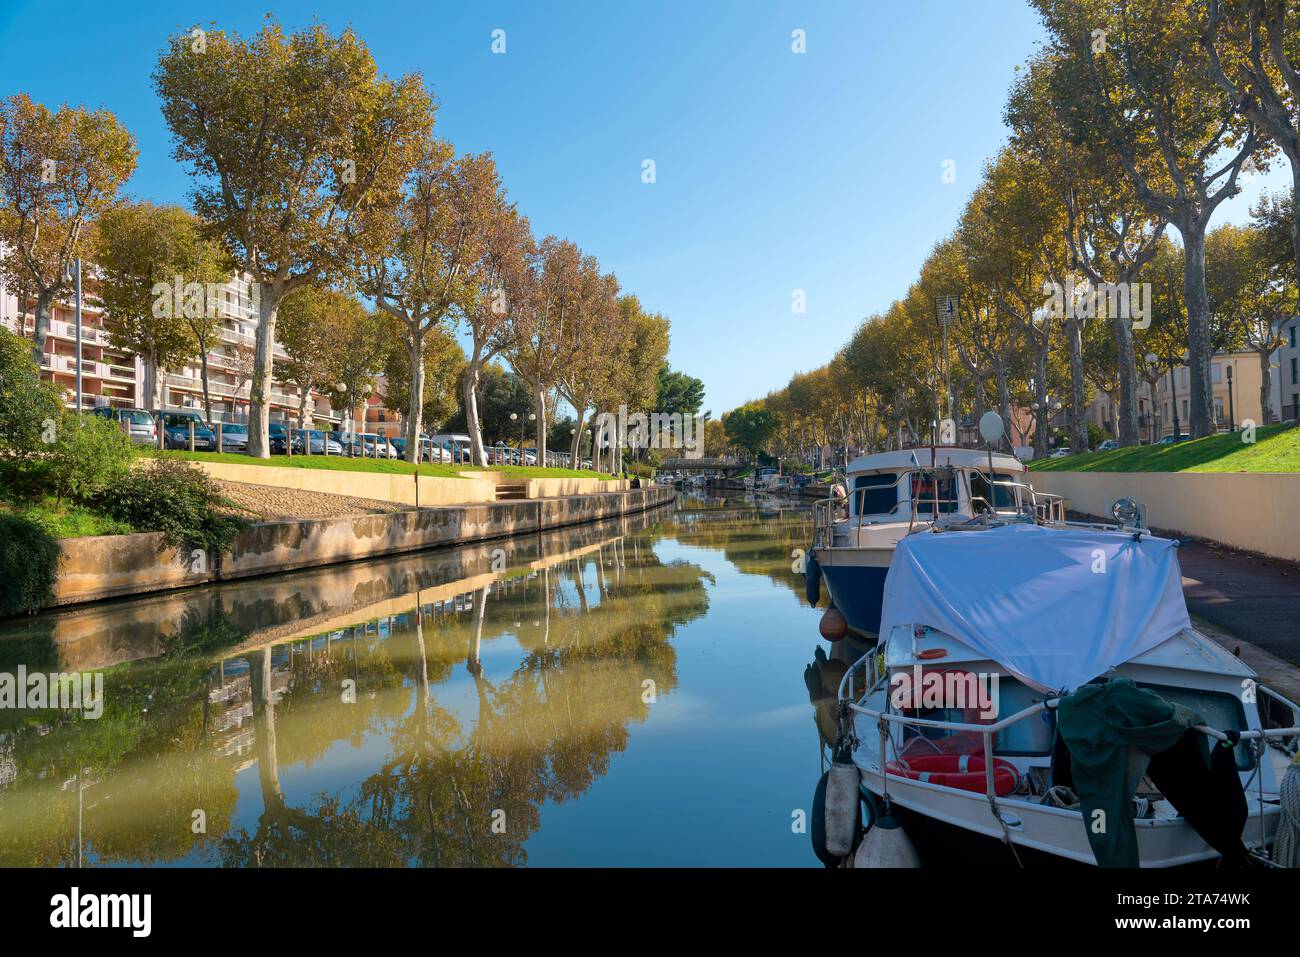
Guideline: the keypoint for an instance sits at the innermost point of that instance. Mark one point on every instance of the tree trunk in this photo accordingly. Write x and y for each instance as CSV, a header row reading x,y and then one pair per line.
x,y
469,392
1078,421
259,398
575,449
541,426
1040,396
41,331
152,383
203,377
1004,402
415,404
1126,416
1266,387
1197,300
1295,217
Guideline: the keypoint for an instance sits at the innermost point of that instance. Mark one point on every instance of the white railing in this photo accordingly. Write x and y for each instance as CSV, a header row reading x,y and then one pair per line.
x,y
845,693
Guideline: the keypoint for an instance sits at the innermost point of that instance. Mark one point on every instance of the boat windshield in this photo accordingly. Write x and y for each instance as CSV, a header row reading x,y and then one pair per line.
x,y
999,496
875,494
925,492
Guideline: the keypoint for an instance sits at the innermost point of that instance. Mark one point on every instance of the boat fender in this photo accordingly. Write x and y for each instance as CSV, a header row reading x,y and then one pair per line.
x,y
833,625
812,579
817,828
886,845
842,808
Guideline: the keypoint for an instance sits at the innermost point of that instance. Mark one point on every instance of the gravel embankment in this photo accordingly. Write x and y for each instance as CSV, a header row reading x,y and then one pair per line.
x,y
269,503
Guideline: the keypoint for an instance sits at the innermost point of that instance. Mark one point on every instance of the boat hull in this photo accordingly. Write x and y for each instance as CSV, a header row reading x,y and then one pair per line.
x,y
855,580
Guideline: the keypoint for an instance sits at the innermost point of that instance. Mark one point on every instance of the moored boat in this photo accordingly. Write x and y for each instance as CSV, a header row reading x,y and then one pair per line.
x,y
1045,688
891,495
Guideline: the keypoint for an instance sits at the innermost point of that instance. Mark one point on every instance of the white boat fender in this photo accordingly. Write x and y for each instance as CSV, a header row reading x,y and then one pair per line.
x,y
817,828
886,845
842,807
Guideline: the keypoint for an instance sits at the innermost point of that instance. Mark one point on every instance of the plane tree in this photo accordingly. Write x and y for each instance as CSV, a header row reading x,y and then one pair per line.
x,y
298,146
1138,72
59,171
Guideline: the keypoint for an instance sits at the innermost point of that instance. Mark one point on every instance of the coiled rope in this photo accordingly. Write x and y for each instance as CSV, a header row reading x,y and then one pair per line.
x,y
1286,844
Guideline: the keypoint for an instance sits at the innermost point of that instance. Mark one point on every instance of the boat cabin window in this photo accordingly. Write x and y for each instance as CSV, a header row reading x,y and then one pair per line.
x,y
924,491
1220,711
875,494
972,696
1001,497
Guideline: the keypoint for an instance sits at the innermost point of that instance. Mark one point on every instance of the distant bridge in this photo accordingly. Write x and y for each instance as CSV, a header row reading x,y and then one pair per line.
x,y
726,466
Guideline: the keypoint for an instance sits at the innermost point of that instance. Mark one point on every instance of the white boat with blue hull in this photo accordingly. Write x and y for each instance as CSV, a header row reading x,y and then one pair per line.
x,y
891,495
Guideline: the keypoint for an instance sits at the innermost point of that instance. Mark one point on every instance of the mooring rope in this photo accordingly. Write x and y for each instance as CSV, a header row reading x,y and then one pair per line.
x,y
1286,843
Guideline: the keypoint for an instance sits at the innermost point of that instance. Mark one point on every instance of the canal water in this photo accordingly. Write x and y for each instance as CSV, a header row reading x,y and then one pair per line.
x,y
636,692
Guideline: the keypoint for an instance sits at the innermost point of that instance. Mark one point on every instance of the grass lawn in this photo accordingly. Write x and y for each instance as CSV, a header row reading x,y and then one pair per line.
x,y
1276,449
341,463
67,521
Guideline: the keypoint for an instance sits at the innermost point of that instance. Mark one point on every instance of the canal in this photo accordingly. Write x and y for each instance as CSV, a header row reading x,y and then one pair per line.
x,y
634,692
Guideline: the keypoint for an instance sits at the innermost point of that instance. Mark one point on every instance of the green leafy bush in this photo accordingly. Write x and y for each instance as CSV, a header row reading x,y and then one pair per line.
x,y
175,497
87,457
30,413
29,561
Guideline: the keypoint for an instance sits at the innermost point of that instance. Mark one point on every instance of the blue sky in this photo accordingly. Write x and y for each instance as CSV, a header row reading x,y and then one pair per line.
x,y
775,171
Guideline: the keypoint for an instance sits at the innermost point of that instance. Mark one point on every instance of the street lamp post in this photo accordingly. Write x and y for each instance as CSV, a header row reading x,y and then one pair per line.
x,y
1232,418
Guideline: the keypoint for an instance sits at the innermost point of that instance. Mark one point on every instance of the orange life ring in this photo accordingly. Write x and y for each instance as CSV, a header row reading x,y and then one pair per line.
x,y
964,771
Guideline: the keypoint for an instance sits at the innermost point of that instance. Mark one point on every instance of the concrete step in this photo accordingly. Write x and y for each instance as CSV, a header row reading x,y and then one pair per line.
x,y
509,491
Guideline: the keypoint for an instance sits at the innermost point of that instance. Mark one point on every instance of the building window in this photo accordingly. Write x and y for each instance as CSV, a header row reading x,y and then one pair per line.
x,y
1294,381
1216,372
1293,335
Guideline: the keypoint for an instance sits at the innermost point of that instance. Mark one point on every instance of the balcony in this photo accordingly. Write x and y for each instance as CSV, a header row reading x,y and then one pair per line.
x,y
94,335
68,366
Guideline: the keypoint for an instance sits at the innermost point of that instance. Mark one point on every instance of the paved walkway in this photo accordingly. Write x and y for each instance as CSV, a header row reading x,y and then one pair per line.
x,y
1254,600
266,503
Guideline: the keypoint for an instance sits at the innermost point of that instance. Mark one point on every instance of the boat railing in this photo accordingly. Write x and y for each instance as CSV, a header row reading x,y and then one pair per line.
x,y
1043,508
873,661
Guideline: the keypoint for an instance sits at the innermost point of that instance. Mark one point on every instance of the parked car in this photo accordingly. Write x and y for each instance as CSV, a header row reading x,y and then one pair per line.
x,y
316,442
176,432
1171,439
278,438
1110,445
234,437
137,423
383,449
1060,453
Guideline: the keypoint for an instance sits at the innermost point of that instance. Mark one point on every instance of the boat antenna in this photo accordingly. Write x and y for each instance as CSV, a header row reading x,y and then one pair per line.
x,y
934,471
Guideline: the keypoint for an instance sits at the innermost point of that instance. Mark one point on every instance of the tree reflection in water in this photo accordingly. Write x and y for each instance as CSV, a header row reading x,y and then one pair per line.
x,y
480,698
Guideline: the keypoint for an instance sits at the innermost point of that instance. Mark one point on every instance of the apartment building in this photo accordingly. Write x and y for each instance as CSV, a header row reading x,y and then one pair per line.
x,y
113,378
1286,371
1235,379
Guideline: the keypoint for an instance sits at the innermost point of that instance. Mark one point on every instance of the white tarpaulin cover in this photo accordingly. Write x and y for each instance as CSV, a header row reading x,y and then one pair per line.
x,y
1055,607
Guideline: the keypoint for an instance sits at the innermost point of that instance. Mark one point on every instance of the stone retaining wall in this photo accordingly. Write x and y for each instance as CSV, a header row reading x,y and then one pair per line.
x,y
383,486
112,565
1255,511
